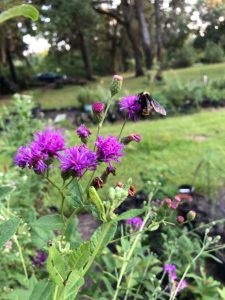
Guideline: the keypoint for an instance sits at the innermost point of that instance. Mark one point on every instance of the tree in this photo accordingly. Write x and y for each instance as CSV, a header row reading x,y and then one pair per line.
x,y
158,30
123,14
144,32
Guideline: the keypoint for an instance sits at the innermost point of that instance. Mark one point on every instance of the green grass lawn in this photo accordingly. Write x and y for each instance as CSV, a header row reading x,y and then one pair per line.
x,y
50,98
177,144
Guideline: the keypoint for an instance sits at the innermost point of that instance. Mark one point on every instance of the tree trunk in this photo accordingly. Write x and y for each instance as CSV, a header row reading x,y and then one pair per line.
x,y
86,57
11,65
113,37
159,41
144,32
131,35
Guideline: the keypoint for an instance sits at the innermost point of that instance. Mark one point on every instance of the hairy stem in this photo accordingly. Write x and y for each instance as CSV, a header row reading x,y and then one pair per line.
x,y
21,257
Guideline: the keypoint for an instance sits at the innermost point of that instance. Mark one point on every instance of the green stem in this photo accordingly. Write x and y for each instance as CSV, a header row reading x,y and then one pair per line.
x,y
122,128
21,257
89,182
55,292
62,197
97,134
129,255
106,227
173,294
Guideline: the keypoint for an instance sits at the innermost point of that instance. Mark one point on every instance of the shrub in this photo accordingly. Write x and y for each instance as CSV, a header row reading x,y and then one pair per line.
x,y
183,57
213,53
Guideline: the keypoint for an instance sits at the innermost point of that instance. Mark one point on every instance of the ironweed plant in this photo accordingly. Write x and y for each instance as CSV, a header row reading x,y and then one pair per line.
x,y
68,260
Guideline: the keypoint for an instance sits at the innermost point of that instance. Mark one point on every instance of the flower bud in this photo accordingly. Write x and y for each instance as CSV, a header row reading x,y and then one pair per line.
x,y
132,191
116,84
112,193
98,183
191,215
98,111
180,219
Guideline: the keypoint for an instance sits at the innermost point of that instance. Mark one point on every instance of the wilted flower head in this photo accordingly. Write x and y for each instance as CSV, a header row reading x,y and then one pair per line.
x,y
76,160
49,141
131,106
134,222
109,149
31,157
132,137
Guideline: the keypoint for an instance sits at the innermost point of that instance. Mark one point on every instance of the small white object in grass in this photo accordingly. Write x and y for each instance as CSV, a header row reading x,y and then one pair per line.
x,y
205,79
60,118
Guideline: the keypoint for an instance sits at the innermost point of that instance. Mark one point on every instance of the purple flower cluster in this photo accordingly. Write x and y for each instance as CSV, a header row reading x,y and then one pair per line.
x,y
172,274
109,149
131,106
83,131
39,259
78,159
50,142
39,153
134,222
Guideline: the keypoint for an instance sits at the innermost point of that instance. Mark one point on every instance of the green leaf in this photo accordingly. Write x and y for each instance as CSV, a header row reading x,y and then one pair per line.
x,y
5,191
73,284
130,214
55,266
25,10
43,290
103,235
74,195
8,229
154,226
80,256
49,222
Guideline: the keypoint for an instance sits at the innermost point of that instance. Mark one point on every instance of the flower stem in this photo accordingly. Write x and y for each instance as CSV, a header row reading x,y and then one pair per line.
x,y
129,255
21,257
174,293
122,128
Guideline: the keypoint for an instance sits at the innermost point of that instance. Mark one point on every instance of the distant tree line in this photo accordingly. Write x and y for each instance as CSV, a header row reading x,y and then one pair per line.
x,y
98,37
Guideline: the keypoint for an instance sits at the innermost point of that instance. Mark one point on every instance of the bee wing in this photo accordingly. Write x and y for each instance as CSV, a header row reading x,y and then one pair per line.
x,y
158,108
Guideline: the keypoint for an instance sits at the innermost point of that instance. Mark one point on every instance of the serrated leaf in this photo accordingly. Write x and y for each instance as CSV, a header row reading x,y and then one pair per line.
x,y
25,10
73,284
43,290
79,257
8,229
130,214
74,196
102,236
55,266
49,222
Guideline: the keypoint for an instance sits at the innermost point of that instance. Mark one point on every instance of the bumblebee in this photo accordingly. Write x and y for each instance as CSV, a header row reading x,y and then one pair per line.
x,y
148,105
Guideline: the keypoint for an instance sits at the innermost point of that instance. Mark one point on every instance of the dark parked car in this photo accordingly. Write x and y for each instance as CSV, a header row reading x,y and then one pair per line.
x,y
50,77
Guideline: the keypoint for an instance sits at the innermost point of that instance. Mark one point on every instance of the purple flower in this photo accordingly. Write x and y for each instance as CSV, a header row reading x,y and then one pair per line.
x,y
39,259
31,157
83,131
171,270
131,105
78,159
50,142
135,222
109,149
183,285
